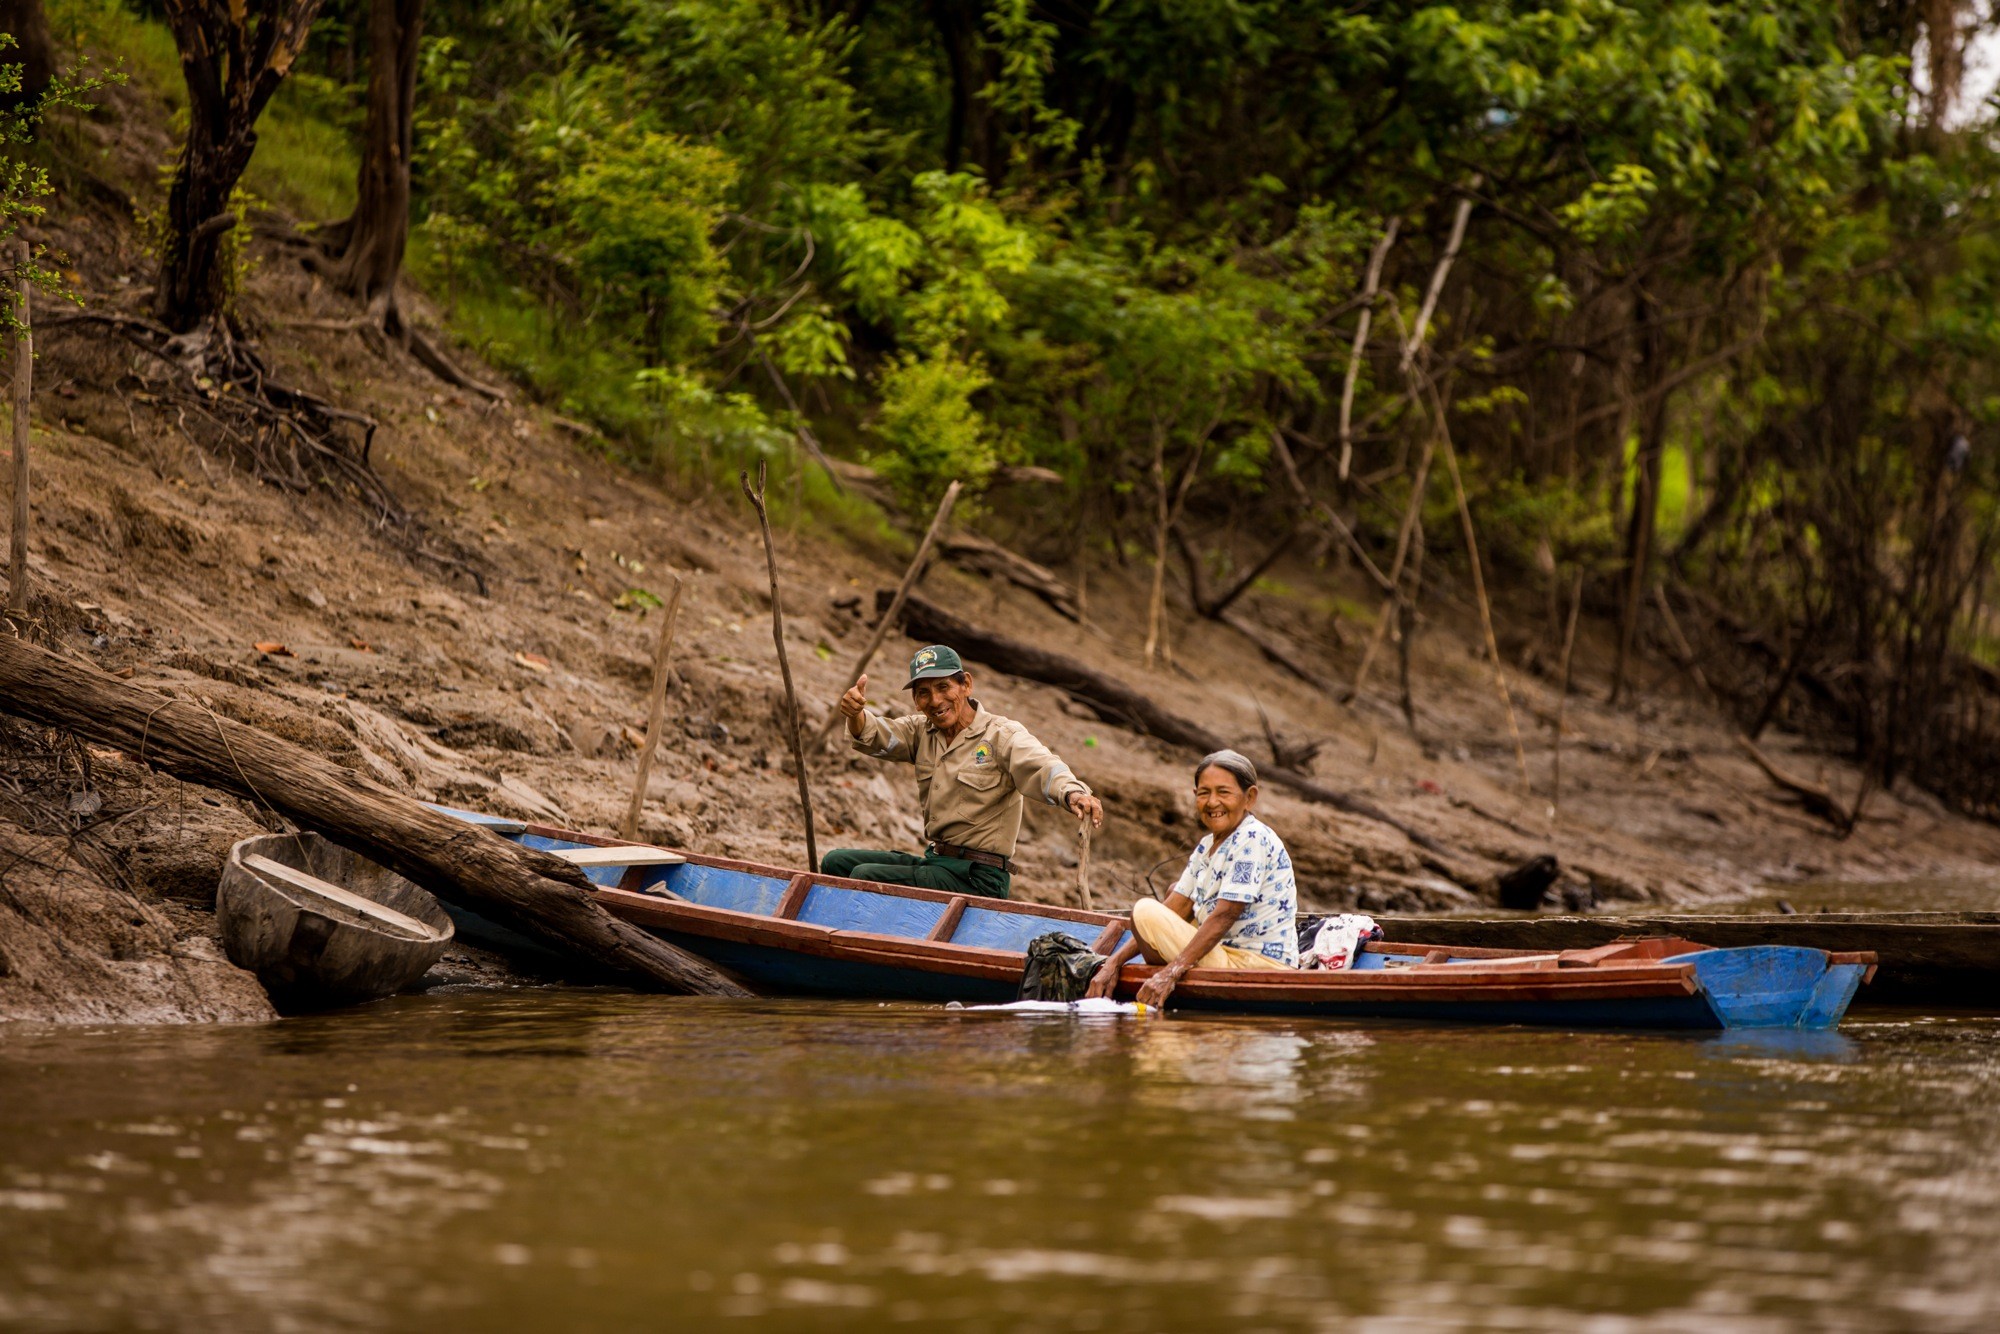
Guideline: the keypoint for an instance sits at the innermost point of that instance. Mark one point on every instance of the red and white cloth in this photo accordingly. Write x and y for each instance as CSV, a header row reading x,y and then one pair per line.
x,y
1339,940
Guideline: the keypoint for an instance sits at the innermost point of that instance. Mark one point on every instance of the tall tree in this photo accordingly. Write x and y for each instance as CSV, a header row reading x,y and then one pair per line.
x,y
366,250
233,57
33,49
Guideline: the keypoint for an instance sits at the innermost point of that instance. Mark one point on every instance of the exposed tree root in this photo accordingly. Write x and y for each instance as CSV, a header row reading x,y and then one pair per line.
x,y
219,392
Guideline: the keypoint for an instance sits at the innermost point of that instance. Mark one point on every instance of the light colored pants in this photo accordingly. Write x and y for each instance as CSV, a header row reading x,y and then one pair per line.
x,y
1169,933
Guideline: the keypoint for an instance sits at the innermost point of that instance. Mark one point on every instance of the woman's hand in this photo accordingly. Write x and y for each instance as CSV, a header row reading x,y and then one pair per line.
x,y
1104,982
1160,986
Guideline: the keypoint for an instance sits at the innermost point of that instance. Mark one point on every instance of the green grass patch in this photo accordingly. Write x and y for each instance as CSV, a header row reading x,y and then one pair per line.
x,y
141,47
307,156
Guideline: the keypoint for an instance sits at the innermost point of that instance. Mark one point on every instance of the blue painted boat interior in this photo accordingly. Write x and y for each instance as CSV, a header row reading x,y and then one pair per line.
x,y
837,907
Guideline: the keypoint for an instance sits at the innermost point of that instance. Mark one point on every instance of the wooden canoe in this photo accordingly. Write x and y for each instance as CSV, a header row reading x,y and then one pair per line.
x,y
1926,958
792,932
321,926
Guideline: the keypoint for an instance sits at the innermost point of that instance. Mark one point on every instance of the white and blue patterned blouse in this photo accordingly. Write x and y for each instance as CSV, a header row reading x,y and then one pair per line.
x,y
1252,868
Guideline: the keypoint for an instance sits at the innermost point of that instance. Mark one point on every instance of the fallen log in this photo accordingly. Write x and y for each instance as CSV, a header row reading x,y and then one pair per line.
x,y
531,892
996,562
1814,797
1117,702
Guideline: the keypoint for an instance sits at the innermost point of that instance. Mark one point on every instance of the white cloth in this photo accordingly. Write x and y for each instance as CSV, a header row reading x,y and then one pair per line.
x,y
1339,938
1089,1005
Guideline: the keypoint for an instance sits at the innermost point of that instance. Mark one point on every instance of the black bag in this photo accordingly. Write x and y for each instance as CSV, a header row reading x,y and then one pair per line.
x,y
1059,968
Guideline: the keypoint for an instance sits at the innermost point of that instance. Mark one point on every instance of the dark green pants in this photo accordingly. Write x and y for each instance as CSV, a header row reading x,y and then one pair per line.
x,y
954,875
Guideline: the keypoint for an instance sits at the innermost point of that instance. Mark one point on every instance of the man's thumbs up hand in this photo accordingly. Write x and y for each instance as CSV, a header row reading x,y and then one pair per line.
x,y
855,702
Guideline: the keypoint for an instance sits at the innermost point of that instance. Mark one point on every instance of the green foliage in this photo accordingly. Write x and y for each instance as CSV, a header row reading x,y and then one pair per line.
x,y
1125,241
932,431
24,179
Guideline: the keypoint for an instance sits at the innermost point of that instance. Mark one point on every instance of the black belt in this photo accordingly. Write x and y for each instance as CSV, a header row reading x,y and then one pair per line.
x,y
992,859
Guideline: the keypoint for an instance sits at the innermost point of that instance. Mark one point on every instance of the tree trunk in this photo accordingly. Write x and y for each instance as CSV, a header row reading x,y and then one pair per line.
x,y
969,127
233,59
534,893
367,248
33,50
1644,518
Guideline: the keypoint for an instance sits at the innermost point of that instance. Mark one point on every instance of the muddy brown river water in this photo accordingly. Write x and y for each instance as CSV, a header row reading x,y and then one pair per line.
x,y
544,1160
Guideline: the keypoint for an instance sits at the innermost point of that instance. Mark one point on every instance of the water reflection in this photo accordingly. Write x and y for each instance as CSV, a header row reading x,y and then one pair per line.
x,y
549,1160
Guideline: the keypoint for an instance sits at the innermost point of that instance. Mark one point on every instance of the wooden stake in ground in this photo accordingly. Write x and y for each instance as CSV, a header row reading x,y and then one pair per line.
x,y
24,385
756,497
888,618
656,708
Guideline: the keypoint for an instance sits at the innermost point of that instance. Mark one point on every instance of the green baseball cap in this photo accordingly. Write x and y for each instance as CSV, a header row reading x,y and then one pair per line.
x,y
934,661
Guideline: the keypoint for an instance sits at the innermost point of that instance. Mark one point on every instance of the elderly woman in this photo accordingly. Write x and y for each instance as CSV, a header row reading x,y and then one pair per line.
x,y
1235,906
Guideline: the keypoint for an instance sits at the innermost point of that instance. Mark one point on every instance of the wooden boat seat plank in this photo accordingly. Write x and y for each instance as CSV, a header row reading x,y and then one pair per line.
x,y
953,912
400,923
624,854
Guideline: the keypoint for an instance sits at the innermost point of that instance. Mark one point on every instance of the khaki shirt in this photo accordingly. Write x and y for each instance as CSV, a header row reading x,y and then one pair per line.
x,y
971,787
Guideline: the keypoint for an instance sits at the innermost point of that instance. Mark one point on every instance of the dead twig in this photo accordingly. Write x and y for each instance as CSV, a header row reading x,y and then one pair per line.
x,y
1369,286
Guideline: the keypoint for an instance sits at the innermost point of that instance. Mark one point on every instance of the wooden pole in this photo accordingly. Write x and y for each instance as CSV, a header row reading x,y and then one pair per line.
x,y
539,895
656,709
756,498
1083,867
888,619
24,384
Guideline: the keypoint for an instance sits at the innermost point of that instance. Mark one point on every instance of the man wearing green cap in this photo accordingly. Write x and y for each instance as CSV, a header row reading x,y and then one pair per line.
x,y
973,769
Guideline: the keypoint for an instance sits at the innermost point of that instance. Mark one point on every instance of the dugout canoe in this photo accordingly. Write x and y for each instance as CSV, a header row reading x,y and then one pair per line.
x,y
785,931
322,926
1925,958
